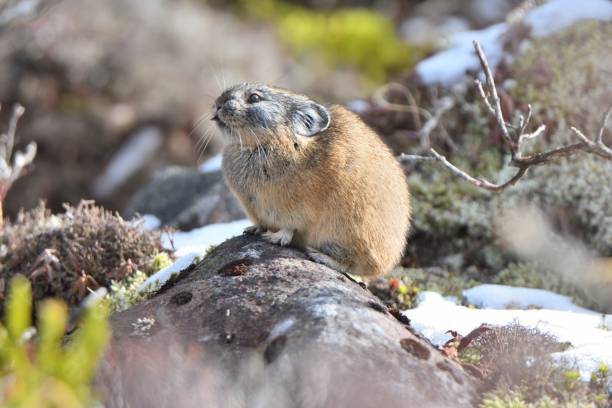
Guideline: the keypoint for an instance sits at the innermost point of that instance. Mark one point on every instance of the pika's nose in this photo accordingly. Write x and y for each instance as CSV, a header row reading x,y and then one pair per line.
x,y
229,106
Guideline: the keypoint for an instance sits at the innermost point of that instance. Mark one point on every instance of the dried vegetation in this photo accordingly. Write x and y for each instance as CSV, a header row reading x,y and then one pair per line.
x,y
69,254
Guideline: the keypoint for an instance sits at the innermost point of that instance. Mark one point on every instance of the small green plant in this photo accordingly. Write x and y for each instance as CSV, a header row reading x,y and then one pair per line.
x,y
350,36
126,293
160,261
570,378
36,368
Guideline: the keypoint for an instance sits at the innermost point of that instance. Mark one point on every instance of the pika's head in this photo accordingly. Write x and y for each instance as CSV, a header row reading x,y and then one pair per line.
x,y
256,110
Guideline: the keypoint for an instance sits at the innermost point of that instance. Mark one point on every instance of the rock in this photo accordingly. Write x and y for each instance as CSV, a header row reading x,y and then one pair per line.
x,y
255,324
185,198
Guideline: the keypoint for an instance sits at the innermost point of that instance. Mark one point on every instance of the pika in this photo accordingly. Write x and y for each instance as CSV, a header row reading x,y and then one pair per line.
x,y
315,177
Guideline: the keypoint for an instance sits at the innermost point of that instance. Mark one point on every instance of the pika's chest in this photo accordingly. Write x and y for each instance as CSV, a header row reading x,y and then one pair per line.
x,y
256,170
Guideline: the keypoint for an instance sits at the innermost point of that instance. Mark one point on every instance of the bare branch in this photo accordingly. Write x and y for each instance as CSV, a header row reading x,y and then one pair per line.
x,y
478,182
604,124
9,172
484,97
410,158
496,102
412,108
22,160
444,105
8,139
532,135
514,140
597,148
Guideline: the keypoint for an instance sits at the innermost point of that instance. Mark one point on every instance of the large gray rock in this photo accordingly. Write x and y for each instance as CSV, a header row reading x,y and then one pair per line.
x,y
185,198
257,325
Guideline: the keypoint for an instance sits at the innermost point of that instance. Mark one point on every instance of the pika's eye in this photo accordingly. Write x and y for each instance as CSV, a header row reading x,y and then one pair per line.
x,y
254,98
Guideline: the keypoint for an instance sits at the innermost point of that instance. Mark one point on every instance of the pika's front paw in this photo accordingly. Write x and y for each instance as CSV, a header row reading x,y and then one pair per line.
x,y
282,237
254,230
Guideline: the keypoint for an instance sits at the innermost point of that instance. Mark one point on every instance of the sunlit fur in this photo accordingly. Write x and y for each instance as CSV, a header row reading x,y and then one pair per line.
x,y
340,189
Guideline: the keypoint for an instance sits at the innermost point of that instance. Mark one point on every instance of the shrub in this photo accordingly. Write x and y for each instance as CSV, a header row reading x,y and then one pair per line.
x,y
68,254
42,372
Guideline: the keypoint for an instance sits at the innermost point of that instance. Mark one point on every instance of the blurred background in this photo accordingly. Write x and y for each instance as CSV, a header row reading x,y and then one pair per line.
x,y
101,78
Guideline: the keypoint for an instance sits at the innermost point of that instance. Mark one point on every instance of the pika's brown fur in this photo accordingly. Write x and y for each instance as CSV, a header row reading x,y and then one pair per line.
x,y
314,177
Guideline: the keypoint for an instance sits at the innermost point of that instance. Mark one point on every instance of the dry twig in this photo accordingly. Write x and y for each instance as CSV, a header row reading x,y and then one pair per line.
x,y
433,121
514,137
9,172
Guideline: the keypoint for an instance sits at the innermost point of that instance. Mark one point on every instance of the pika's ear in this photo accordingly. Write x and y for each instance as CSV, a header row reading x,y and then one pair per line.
x,y
310,119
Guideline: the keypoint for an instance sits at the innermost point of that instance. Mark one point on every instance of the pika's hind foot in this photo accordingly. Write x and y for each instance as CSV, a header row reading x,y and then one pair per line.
x,y
281,237
325,259
254,230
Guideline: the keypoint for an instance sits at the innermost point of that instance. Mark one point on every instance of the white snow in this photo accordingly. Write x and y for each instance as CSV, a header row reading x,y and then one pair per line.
x,y
212,164
161,276
189,245
447,66
559,316
501,297
557,14
199,239
150,222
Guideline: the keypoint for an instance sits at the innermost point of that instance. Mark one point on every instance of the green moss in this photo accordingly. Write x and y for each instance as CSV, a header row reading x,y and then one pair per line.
x,y
514,399
160,261
579,187
564,77
443,207
47,372
401,287
356,37
208,251
125,294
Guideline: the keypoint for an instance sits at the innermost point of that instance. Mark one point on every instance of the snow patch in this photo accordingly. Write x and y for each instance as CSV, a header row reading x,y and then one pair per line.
x,y
162,276
149,222
211,165
447,66
555,15
581,327
200,239
503,297
192,244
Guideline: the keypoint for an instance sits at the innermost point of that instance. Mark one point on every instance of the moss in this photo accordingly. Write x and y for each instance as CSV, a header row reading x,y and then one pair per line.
x,y
125,294
452,223
514,399
160,261
355,37
66,255
401,287
579,189
564,77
